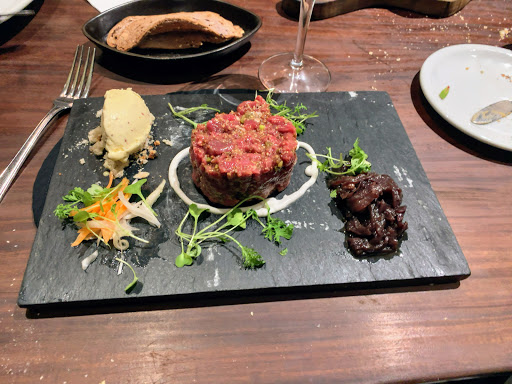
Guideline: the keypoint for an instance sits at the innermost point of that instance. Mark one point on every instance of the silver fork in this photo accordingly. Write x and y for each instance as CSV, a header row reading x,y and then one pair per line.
x,y
77,86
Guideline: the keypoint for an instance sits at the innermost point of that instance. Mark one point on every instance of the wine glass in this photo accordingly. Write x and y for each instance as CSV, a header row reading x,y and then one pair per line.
x,y
294,71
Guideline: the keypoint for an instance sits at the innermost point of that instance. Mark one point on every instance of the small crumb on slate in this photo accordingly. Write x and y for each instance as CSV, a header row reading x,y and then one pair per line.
x,y
82,161
141,175
167,142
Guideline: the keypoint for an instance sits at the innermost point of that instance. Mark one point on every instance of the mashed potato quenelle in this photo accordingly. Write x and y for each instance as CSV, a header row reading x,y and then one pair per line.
x,y
124,130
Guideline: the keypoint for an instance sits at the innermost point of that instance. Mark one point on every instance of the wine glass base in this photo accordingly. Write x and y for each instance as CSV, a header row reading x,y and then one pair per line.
x,y
277,73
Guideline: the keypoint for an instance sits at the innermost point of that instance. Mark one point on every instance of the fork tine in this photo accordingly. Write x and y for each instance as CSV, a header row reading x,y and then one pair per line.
x,y
89,77
82,78
75,79
85,85
68,81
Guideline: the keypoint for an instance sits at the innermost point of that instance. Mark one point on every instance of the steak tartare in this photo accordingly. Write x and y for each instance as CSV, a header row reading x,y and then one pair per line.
x,y
245,153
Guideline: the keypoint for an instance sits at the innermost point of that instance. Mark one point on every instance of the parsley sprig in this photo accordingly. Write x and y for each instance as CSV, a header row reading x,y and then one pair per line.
x,y
275,228
221,230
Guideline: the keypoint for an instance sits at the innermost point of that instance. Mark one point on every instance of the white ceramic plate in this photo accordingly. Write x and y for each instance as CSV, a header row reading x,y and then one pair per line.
x,y
11,6
478,75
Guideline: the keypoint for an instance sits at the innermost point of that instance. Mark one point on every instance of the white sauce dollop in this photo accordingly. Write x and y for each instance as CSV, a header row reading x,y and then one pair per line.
x,y
260,208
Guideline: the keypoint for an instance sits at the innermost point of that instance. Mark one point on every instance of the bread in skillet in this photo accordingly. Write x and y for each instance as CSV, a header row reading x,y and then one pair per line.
x,y
172,31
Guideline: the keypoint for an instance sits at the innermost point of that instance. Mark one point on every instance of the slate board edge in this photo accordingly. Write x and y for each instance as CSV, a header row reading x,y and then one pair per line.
x,y
245,295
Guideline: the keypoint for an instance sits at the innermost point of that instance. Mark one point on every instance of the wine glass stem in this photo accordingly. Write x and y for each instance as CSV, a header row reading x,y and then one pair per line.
x,y
306,8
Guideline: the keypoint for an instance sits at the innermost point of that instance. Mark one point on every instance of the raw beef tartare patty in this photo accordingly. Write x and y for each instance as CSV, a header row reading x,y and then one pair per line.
x,y
244,153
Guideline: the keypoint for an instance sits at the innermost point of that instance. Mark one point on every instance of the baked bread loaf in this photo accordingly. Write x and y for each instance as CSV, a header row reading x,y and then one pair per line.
x,y
172,31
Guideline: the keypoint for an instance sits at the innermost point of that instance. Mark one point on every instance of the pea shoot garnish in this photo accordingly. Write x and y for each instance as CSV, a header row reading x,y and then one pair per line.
x,y
338,166
222,229
296,115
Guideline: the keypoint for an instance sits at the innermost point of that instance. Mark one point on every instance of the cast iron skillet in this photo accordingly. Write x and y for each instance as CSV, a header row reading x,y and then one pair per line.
x,y
97,28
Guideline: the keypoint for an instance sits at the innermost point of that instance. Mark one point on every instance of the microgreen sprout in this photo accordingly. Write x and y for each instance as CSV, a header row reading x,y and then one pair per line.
x,y
338,166
182,114
296,114
130,286
221,230
135,189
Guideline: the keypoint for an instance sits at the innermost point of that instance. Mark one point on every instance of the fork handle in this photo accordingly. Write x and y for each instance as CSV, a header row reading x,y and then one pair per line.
x,y
9,173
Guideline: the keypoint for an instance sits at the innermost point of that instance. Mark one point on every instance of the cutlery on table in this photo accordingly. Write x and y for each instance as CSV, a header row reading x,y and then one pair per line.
x,y
77,86
24,12
492,112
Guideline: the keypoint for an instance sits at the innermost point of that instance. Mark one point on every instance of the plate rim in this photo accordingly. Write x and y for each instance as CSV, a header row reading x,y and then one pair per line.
x,y
426,70
18,6
192,56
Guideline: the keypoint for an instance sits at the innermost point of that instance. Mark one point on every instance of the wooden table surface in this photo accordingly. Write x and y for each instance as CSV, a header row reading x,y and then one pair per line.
x,y
388,335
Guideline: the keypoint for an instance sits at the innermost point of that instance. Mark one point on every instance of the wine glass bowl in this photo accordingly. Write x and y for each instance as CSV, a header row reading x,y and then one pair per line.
x,y
279,73
293,71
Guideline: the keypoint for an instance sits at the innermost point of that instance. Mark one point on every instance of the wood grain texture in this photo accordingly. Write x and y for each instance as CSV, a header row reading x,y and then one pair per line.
x,y
324,9
394,335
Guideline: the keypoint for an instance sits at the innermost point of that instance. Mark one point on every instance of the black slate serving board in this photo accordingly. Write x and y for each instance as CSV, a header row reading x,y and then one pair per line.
x,y
317,256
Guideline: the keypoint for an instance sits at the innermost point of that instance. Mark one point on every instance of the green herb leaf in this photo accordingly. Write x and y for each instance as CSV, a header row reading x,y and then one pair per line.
x,y
358,162
195,211
95,190
277,228
87,199
236,218
195,251
251,258
334,166
444,92
284,252
64,210
333,194
135,189
183,259
74,195
83,216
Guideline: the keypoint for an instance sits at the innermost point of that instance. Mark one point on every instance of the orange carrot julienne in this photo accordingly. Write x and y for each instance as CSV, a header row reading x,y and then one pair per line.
x,y
103,210
82,234
111,179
